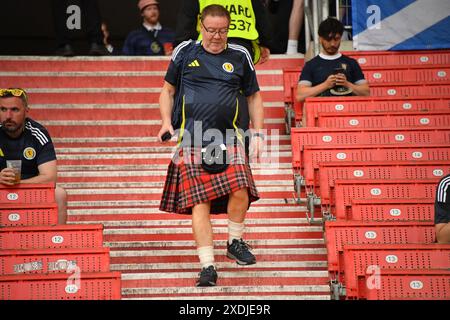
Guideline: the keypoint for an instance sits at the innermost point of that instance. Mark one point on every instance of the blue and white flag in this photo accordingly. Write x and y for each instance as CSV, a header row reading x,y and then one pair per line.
x,y
401,24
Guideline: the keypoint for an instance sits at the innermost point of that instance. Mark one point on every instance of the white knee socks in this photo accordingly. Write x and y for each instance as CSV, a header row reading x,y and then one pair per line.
x,y
206,255
235,230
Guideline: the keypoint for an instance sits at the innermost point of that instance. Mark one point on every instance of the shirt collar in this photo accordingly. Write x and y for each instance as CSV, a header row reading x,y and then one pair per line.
x,y
152,27
333,57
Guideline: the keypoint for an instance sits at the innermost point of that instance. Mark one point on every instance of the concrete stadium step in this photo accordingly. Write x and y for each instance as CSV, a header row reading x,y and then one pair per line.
x,y
141,185
128,111
60,64
180,221
251,233
118,95
111,128
273,139
150,216
142,159
126,167
146,195
226,278
218,243
107,79
190,256
161,149
236,296
222,265
153,203
236,292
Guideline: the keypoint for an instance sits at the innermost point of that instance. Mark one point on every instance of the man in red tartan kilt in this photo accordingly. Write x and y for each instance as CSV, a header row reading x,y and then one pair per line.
x,y
211,87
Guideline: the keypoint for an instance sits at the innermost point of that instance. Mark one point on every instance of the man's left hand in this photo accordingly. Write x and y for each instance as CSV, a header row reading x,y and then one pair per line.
x,y
256,148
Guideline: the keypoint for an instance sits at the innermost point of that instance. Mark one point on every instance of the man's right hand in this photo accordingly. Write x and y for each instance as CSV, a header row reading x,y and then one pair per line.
x,y
7,176
164,129
331,81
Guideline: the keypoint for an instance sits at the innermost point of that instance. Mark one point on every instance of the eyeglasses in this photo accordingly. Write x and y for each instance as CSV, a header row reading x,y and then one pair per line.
x,y
220,32
16,92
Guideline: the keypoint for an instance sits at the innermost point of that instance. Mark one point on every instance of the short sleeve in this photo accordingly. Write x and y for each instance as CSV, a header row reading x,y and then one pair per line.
x,y
357,74
250,84
306,77
47,153
176,62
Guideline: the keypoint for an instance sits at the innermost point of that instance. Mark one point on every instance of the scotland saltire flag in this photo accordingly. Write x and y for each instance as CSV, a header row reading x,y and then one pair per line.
x,y
401,24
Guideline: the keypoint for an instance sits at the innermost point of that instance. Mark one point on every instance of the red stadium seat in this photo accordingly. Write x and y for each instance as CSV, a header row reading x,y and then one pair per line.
x,y
340,233
392,210
384,120
400,58
347,190
315,106
407,74
301,137
12,215
328,172
61,286
53,260
290,81
306,162
400,90
408,89
425,284
27,194
61,236
357,258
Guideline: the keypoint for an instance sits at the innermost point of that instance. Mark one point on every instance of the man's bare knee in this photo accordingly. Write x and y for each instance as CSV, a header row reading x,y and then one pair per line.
x,y
238,203
240,196
443,233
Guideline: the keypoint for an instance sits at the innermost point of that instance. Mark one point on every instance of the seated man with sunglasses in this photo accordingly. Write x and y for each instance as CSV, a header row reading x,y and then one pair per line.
x,y
22,138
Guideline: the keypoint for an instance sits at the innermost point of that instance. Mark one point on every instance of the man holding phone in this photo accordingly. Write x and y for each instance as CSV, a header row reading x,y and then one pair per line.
x,y
331,73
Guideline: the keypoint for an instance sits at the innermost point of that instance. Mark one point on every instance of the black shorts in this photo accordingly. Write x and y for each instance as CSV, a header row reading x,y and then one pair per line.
x,y
441,212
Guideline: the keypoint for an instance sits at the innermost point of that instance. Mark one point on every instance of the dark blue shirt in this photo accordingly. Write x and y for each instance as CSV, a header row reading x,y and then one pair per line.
x,y
142,42
213,87
34,147
318,69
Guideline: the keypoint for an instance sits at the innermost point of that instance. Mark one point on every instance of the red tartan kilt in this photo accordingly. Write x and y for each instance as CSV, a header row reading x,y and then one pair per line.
x,y
188,184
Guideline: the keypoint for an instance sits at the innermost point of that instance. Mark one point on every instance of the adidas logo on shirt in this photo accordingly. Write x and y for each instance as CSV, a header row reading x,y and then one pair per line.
x,y
194,64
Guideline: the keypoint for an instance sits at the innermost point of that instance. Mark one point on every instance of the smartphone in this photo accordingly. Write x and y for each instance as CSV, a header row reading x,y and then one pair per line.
x,y
338,70
166,136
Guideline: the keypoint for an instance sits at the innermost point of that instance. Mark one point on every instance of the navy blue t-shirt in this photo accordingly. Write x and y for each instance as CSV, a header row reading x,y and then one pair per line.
x,y
318,69
213,87
34,147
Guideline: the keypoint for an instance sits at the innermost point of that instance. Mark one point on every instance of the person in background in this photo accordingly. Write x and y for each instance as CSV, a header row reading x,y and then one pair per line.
x,y
22,138
217,82
250,25
442,210
152,39
330,68
295,26
91,13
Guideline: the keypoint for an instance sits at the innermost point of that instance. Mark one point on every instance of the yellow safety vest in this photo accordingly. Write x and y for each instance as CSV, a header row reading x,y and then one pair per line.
x,y
243,22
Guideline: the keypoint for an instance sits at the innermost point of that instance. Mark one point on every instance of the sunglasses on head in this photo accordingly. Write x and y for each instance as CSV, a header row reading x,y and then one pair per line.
x,y
13,92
